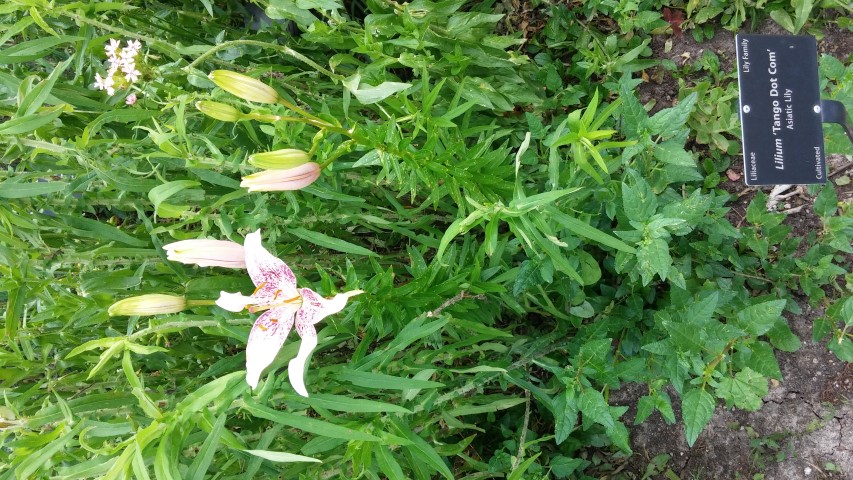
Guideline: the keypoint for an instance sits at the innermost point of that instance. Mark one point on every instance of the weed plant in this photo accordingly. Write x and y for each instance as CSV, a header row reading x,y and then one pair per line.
x,y
528,236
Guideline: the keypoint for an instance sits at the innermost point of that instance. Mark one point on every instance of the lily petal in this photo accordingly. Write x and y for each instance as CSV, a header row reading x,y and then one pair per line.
x,y
315,307
296,367
234,302
271,274
265,340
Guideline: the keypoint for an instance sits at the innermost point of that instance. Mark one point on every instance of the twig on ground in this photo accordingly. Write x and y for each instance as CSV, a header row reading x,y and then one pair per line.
x,y
841,169
455,299
523,437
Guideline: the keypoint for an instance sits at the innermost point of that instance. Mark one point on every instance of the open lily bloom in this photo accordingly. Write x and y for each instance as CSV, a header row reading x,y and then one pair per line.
x,y
285,306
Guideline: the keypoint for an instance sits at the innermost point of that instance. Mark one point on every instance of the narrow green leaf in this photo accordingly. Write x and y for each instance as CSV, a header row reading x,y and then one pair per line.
x,y
381,381
86,227
29,123
202,460
140,470
93,344
459,226
37,96
10,189
121,116
522,468
307,424
34,49
331,243
415,331
490,407
42,457
211,391
160,193
388,464
585,230
524,205
98,402
341,403
105,357
423,451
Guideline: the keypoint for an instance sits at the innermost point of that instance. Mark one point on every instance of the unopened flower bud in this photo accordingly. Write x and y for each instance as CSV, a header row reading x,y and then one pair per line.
x,y
152,304
219,111
279,159
207,253
245,87
278,180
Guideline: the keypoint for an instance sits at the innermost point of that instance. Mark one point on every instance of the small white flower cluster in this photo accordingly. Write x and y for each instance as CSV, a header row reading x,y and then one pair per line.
x,y
120,59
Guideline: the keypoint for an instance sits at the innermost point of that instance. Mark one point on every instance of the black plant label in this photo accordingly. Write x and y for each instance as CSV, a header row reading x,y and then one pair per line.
x,y
780,110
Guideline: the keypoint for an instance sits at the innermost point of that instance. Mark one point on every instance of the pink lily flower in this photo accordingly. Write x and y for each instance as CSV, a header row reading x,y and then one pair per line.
x,y
285,307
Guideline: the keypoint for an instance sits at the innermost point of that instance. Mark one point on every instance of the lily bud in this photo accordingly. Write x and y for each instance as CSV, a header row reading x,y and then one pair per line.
x,y
152,304
243,86
277,180
207,253
279,159
219,111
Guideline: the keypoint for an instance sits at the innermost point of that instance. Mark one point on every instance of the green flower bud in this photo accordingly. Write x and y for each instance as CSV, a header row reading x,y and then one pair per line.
x,y
219,111
152,304
279,159
245,87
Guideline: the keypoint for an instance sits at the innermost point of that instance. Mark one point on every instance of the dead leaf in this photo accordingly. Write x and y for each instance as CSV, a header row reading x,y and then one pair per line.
x,y
674,17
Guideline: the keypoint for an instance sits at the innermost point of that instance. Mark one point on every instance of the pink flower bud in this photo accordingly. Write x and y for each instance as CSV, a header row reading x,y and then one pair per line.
x,y
207,253
277,180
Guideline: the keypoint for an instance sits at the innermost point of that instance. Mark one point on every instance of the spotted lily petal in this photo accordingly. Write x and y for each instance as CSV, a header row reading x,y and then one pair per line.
x,y
296,367
265,340
272,276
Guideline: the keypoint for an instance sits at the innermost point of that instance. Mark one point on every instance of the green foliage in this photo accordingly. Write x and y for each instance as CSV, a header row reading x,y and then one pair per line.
x,y
529,237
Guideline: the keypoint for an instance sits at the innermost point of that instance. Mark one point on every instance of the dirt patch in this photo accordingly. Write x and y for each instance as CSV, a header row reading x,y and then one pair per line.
x,y
836,41
662,86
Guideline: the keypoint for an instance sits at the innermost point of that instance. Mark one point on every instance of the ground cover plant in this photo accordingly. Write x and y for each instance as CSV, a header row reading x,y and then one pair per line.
x,y
487,230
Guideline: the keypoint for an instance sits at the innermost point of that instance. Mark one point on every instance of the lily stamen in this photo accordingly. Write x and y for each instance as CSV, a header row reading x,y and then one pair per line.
x,y
261,308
